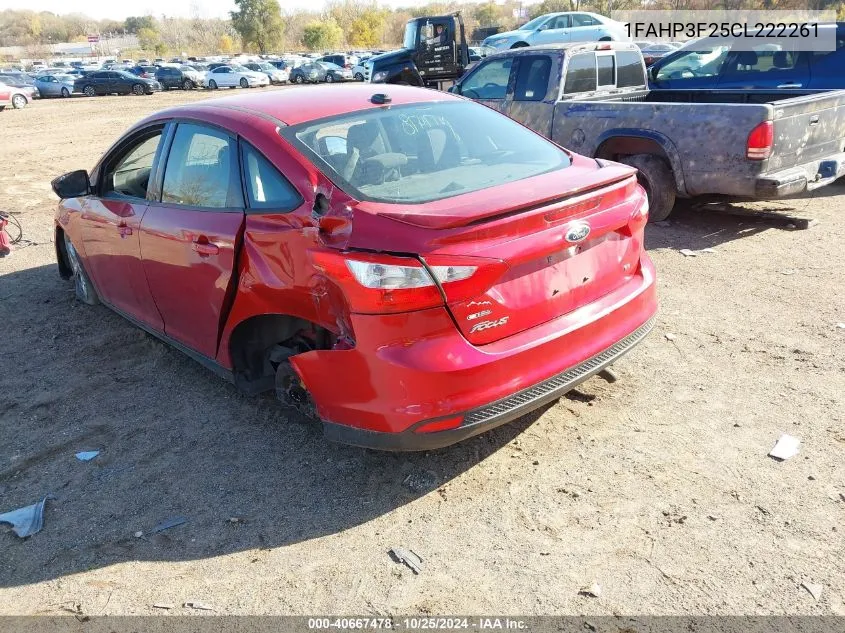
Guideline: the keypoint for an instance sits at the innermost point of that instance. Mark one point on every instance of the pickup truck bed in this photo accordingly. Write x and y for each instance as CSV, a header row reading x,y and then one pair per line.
x,y
592,98
703,134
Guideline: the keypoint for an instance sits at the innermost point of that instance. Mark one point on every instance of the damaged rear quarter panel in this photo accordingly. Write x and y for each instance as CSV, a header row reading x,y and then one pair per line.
x,y
275,270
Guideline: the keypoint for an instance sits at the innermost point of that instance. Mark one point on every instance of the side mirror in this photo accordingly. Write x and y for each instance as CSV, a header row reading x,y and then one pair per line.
x,y
652,72
543,27
454,89
72,184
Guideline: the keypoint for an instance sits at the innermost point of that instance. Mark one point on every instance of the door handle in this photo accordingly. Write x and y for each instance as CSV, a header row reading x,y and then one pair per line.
x,y
814,119
790,85
205,248
124,230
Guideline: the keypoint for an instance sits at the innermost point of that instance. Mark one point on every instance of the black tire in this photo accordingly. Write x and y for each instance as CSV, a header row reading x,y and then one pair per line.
x,y
604,39
658,181
89,91
138,89
329,78
65,93
187,85
82,285
359,77
2,108
520,45
244,83
18,102
212,85
300,79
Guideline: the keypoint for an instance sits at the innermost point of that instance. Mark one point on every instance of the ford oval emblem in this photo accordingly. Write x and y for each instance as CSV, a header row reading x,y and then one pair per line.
x,y
578,232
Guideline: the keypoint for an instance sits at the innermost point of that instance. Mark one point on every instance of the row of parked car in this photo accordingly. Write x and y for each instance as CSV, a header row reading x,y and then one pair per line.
x,y
18,88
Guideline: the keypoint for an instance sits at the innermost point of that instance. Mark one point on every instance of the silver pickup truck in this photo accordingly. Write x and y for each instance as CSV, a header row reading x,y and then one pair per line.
x,y
594,99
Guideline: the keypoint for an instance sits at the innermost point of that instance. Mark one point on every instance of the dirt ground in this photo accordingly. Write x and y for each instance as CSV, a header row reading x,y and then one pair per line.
x,y
657,487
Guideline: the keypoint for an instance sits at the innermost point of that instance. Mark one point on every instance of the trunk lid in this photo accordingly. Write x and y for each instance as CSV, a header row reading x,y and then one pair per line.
x,y
578,239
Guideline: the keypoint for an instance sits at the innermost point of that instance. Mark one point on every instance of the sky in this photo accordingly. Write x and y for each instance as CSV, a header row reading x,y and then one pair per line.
x,y
100,9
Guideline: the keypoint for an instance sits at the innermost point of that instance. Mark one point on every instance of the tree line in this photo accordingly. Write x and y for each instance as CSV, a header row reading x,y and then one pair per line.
x,y
261,26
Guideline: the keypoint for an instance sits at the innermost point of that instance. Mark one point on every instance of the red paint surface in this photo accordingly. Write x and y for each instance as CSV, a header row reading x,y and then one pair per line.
x,y
561,302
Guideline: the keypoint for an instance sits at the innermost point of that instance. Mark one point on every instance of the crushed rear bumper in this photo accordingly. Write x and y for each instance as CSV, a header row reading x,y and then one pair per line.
x,y
494,414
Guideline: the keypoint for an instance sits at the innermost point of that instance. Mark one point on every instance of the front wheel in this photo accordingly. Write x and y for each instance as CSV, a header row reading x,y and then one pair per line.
x,y
89,91
300,79
329,78
655,175
244,83
18,102
359,77
520,45
65,93
83,288
187,84
212,85
137,89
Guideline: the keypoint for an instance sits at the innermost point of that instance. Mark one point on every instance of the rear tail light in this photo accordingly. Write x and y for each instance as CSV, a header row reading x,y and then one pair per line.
x,y
463,278
760,139
386,276
379,284
639,216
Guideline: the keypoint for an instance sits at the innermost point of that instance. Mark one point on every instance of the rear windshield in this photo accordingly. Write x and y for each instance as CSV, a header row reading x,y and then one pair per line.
x,y
423,152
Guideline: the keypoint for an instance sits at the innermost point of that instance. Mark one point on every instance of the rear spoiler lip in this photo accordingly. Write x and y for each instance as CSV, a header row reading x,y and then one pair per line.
x,y
551,202
533,206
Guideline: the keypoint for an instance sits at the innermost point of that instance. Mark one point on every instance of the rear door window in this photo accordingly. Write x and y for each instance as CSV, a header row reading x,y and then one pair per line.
x,y
580,19
580,74
532,78
761,59
201,169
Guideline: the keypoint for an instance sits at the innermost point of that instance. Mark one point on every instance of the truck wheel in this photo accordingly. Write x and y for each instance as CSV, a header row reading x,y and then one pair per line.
x,y
656,178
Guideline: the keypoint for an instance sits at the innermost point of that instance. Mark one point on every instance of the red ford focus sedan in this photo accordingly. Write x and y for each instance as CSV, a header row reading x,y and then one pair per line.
x,y
409,269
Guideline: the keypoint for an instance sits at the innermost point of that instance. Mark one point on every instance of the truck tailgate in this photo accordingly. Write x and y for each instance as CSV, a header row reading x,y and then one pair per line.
x,y
807,128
